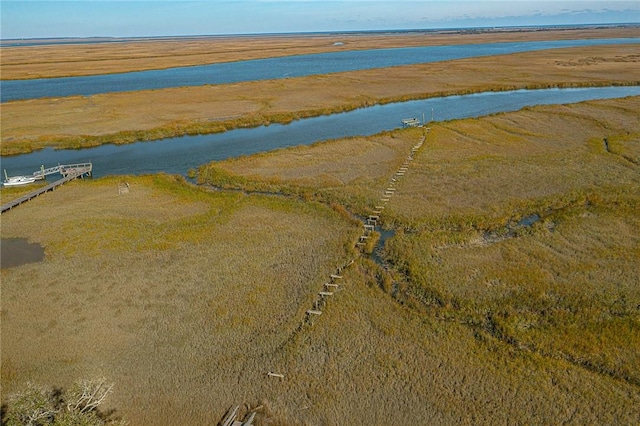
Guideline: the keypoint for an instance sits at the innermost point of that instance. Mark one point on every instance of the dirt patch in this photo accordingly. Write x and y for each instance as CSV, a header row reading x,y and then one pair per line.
x,y
18,251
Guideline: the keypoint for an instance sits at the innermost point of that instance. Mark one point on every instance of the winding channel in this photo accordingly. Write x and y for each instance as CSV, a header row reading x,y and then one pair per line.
x,y
178,155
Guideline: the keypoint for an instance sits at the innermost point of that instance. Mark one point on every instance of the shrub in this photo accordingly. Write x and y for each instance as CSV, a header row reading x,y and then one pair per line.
x,y
77,406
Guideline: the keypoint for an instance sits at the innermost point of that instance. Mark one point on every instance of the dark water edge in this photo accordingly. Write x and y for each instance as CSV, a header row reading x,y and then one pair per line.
x,y
179,155
18,251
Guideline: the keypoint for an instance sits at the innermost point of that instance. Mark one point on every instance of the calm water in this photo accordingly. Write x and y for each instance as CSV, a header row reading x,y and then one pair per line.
x,y
273,68
178,155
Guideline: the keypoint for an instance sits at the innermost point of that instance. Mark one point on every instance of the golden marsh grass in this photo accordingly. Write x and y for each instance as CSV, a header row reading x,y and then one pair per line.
x,y
167,272
188,330
565,287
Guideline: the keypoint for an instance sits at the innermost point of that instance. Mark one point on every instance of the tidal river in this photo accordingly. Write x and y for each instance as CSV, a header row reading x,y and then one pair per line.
x,y
178,155
274,68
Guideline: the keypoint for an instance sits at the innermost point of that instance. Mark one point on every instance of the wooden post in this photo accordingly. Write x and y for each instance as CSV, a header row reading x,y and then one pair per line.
x,y
231,416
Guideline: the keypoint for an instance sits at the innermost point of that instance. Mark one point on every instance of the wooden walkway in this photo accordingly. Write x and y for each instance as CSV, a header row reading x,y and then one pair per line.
x,y
33,194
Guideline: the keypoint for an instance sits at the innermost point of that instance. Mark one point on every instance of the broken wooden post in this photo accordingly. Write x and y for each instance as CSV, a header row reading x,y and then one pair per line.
x,y
278,375
231,416
249,422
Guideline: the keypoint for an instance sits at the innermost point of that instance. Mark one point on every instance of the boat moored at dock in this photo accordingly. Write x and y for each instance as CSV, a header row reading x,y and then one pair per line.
x,y
17,180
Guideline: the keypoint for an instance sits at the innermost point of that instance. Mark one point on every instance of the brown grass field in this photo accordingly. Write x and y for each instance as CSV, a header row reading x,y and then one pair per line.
x,y
77,122
186,297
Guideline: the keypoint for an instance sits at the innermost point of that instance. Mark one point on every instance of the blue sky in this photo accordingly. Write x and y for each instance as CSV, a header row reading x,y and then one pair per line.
x,y
119,18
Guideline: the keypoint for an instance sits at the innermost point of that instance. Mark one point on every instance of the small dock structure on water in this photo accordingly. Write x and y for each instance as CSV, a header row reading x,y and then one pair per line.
x,y
79,170
68,173
411,122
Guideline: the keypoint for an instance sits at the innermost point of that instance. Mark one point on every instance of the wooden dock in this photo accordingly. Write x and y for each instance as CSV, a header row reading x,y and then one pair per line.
x,y
68,173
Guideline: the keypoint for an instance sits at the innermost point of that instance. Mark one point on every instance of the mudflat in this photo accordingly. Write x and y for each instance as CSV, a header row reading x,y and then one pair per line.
x,y
19,251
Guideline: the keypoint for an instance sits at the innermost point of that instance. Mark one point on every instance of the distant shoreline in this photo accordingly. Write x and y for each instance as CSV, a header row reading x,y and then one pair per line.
x,y
20,42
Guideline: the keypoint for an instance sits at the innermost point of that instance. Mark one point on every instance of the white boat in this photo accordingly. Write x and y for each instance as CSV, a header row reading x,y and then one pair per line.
x,y
17,180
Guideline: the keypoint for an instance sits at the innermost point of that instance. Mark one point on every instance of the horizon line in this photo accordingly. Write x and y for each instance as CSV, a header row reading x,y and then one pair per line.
x,y
329,32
